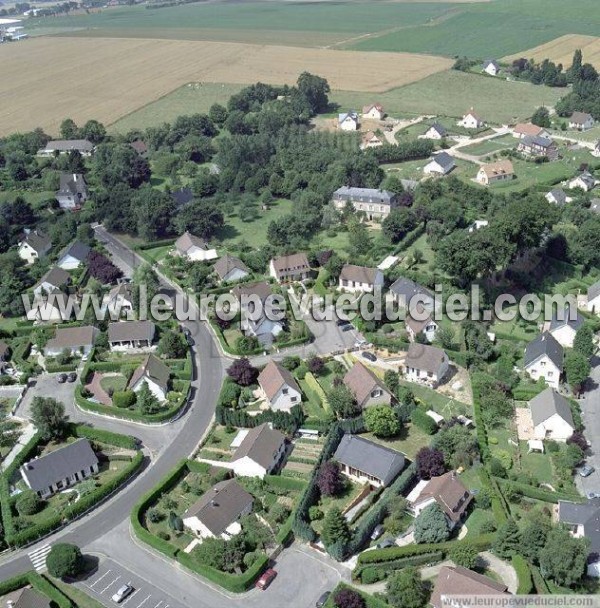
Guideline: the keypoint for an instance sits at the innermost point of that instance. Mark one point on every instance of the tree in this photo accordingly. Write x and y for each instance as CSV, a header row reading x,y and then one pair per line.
x,y
172,345
48,416
145,280
217,113
382,421
335,528
398,224
391,380
431,525
541,117
211,552
563,558
28,503
348,598
68,129
508,540
242,372
359,241
64,560
314,89
584,341
102,269
329,479
464,555
577,369
533,538
446,336
146,401
201,217
342,401
316,365
578,439
406,589
430,463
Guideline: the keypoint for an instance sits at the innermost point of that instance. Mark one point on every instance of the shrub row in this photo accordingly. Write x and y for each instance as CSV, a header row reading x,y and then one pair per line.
x,y
94,434
378,572
286,421
318,389
539,493
55,369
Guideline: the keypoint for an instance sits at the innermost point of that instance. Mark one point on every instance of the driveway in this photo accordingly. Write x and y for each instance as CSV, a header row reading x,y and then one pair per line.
x,y
590,404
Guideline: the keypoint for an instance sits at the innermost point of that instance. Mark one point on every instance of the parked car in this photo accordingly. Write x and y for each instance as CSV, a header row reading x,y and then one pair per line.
x,y
347,327
377,532
122,593
342,322
384,544
368,356
62,378
323,599
72,377
266,579
586,470
593,495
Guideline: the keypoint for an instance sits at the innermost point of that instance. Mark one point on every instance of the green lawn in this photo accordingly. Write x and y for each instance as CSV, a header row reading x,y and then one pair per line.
x,y
475,520
410,440
153,256
413,169
341,501
491,146
442,404
116,383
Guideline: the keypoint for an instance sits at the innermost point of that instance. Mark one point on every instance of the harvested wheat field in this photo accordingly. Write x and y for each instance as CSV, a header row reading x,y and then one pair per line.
x,y
48,79
560,50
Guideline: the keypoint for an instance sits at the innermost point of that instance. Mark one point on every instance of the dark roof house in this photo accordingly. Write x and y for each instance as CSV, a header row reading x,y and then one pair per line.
x,y
547,404
544,345
261,444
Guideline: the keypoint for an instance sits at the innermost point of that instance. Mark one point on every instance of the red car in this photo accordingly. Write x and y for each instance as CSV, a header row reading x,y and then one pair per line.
x,y
266,579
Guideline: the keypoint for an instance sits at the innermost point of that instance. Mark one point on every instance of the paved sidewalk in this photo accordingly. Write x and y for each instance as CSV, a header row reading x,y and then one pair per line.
x,y
26,435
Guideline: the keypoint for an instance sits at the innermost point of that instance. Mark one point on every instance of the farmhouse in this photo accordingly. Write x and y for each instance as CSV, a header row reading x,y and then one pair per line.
x,y
33,246
217,512
60,468
374,111
279,387
348,121
73,191
535,146
441,164
64,146
74,256
376,204
74,340
364,461
558,196
194,248
154,374
544,359
524,129
551,416
471,120
491,67
229,268
583,521
423,326
456,580
370,140
261,452
293,267
435,131
366,387
593,298
119,300
403,291
448,491
360,278
582,121
425,364
131,334
52,280
492,173
565,328
585,181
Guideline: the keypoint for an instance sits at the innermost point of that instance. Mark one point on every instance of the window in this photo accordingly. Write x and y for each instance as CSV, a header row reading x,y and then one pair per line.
x,y
376,393
285,391
293,399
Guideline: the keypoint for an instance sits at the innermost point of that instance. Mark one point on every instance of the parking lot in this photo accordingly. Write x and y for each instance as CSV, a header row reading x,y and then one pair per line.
x,y
110,576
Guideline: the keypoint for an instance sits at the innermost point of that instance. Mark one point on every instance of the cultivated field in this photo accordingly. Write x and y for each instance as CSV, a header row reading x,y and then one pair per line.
x,y
117,76
561,50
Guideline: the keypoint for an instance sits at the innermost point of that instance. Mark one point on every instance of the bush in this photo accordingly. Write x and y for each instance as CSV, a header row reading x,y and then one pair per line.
x,y
348,598
420,419
124,399
371,575
64,560
28,503
315,513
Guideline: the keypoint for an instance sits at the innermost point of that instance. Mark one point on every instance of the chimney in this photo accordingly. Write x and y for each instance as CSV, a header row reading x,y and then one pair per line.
x,y
74,177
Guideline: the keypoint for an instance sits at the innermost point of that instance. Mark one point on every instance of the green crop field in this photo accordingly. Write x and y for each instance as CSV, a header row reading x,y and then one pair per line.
x,y
452,93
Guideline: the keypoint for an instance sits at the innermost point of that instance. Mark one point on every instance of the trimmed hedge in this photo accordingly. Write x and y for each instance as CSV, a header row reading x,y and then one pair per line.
x,y
404,562
523,574
40,584
94,434
539,493
424,421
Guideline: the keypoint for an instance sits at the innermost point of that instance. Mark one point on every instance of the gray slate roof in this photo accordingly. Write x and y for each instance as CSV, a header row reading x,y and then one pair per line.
x,y
77,250
587,515
424,357
38,241
488,62
575,323
587,178
537,140
370,458
548,403
55,276
408,288
153,369
261,444
30,598
436,126
59,464
223,266
544,344
365,195
593,291
125,331
67,145
559,196
444,160
72,184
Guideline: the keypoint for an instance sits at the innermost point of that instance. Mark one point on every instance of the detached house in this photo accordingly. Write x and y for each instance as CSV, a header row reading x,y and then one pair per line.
x,y
492,173
73,191
557,196
582,121
544,359
261,452
423,326
57,147
75,340
279,387
409,294
583,521
425,364
123,335
441,164
521,130
53,307
360,278
154,374
294,267
585,181
593,298
374,111
194,248
119,300
53,280
348,121
74,256
449,492
459,581
217,512
565,328
370,140
61,468
229,268
551,416
535,146
376,204
33,246
250,296
491,67
366,387
436,131
471,120
365,461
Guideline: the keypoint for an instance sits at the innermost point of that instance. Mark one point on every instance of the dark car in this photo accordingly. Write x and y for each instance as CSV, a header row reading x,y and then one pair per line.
x,y
342,322
323,599
368,356
266,579
385,544
62,378
72,377
347,327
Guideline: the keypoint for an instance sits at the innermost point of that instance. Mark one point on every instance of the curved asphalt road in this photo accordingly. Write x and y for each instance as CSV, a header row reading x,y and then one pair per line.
x,y
209,366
